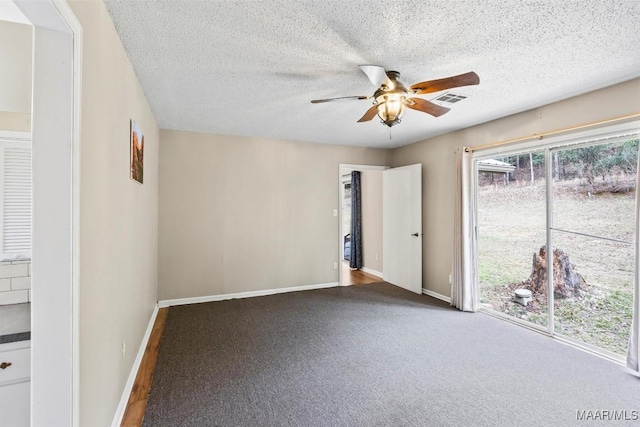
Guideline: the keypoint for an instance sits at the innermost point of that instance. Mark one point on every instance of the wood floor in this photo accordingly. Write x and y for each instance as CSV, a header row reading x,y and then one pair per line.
x,y
137,404
357,277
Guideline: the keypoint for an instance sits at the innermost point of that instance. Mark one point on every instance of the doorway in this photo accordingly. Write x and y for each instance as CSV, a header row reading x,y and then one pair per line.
x,y
391,223
371,206
15,216
57,71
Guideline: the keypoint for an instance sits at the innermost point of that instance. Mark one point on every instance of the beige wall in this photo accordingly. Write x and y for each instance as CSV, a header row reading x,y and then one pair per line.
x,y
245,214
118,218
437,157
371,181
15,76
15,71
15,122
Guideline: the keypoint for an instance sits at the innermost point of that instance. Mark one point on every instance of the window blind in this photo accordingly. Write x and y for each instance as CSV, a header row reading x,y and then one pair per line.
x,y
16,201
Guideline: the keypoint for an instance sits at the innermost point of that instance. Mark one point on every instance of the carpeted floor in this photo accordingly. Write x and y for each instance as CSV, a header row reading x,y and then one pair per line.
x,y
372,355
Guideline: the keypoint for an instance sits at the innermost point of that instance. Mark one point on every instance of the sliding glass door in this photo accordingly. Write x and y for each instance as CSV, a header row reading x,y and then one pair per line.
x,y
578,198
593,225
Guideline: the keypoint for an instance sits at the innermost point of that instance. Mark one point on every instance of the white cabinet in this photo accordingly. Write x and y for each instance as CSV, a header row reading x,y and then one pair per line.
x,y
14,405
14,384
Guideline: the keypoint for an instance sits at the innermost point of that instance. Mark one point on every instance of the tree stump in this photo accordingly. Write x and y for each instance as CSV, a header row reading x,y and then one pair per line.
x,y
567,282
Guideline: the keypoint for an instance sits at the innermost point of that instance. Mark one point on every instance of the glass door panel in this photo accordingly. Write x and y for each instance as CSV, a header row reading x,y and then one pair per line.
x,y
594,189
593,290
593,225
511,214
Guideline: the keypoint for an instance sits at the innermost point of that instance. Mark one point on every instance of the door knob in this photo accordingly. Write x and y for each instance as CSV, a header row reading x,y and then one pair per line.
x,y
5,365
415,235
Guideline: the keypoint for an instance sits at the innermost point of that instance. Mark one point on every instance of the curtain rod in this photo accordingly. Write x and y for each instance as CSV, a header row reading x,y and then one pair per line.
x,y
553,132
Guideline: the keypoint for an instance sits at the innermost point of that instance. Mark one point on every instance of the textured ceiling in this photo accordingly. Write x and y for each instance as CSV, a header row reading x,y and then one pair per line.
x,y
250,68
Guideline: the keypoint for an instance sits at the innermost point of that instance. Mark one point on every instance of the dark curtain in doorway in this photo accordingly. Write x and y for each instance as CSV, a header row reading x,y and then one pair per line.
x,y
356,221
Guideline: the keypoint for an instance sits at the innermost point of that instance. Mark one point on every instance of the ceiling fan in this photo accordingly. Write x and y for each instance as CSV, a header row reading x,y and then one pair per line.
x,y
392,96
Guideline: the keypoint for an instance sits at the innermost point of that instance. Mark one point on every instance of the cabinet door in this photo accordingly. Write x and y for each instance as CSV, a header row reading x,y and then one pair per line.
x,y
14,405
20,369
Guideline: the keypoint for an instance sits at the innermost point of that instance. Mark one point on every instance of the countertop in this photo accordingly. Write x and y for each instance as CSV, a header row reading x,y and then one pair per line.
x,y
15,323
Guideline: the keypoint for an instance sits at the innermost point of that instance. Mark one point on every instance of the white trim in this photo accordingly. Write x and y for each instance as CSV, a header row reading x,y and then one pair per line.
x,y
351,167
549,238
16,345
70,19
372,272
15,135
126,392
76,29
436,295
515,320
58,16
249,294
15,143
603,354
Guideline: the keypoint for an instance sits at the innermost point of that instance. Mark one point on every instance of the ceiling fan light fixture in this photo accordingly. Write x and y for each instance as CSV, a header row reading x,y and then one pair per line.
x,y
391,108
392,98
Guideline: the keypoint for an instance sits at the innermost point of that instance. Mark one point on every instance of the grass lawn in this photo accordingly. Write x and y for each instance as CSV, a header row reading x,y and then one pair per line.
x,y
511,228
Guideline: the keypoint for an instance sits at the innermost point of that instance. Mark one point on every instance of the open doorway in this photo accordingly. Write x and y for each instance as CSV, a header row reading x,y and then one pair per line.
x,y
369,198
55,142
15,215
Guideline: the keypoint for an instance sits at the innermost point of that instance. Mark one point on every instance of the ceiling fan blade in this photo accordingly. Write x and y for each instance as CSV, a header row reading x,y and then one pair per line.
x,y
319,101
466,79
377,75
370,114
426,106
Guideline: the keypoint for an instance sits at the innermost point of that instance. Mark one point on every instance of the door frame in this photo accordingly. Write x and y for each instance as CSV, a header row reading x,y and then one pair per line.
x,y
342,169
57,48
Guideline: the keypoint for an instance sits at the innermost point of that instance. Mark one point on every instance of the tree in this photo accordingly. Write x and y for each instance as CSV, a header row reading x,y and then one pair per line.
x,y
602,160
531,167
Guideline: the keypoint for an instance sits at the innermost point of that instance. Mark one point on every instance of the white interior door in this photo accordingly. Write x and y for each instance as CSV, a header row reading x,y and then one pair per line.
x,y
402,227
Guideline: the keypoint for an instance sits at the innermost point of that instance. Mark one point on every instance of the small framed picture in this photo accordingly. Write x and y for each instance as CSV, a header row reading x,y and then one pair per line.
x,y
137,152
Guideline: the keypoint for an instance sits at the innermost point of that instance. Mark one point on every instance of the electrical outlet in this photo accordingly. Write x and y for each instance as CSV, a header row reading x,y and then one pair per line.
x,y
124,347
335,212
335,265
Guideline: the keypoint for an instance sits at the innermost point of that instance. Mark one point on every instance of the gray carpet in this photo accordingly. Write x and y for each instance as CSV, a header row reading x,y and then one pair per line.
x,y
372,355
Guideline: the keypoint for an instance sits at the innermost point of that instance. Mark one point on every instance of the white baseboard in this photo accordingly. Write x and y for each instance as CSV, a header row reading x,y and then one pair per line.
x,y
249,294
436,295
124,399
373,272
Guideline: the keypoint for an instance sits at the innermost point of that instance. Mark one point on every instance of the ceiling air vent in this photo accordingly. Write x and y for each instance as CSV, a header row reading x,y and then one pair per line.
x,y
450,98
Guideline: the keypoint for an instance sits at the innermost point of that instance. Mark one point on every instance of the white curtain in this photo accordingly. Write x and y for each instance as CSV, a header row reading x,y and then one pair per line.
x,y
633,355
464,292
